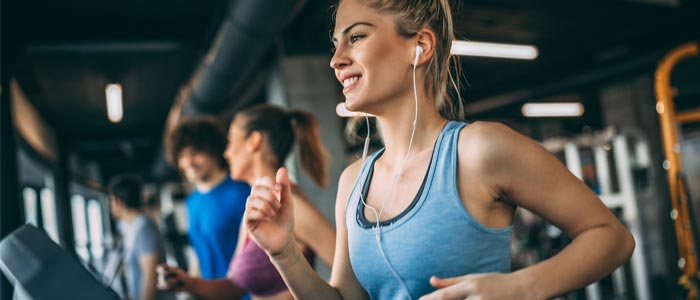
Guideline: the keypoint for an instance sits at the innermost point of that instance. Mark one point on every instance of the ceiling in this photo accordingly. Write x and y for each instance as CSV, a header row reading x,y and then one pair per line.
x,y
67,51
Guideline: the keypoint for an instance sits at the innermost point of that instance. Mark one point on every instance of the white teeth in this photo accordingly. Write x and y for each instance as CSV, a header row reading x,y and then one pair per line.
x,y
347,82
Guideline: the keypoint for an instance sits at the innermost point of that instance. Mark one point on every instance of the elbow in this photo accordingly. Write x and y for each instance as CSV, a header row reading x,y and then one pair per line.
x,y
627,244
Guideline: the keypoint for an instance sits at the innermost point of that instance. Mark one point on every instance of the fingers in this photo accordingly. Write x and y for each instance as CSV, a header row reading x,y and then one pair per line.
x,y
170,278
440,283
455,292
282,179
282,176
262,203
260,209
448,288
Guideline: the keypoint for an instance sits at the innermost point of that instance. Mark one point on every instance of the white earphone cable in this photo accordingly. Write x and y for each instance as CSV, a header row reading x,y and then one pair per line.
x,y
378,230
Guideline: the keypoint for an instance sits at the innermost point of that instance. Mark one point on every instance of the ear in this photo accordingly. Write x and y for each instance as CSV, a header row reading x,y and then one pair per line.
x,y
254,141
426,40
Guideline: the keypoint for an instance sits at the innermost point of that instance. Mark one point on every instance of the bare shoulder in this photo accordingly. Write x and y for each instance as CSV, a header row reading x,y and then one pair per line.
x,y
488,142
487,133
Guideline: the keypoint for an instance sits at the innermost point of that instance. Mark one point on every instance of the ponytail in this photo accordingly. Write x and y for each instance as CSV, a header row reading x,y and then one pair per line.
x,y
311,151
281,129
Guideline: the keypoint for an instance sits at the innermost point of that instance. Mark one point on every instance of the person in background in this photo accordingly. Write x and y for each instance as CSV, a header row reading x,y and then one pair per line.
x,y
259,141
216,205
142,243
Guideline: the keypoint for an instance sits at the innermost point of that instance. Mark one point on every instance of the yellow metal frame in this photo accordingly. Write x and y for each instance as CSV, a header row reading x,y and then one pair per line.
x,y
670,119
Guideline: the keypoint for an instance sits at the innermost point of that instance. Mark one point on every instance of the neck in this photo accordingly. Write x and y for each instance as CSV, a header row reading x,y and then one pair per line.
x,y
397,126
260,169
130,215
208,184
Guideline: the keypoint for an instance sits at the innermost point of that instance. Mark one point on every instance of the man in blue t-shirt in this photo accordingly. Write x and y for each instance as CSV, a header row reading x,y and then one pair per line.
x,y
215,207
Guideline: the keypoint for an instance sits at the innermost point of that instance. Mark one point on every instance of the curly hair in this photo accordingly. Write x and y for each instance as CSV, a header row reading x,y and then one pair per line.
x,y
204,134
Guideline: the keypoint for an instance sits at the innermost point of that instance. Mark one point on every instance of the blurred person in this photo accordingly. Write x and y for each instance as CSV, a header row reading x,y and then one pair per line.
x,y
142,243
216,205
259,140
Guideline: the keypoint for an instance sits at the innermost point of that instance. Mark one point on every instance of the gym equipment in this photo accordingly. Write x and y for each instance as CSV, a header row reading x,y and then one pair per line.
x,y
40,269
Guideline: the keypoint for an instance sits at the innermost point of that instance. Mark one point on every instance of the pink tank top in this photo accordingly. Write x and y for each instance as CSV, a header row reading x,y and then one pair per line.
x,y
251,270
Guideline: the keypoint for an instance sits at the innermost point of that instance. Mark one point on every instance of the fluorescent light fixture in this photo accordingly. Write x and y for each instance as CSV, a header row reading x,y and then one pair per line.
x,y
115,112
342,111
534,110
469,48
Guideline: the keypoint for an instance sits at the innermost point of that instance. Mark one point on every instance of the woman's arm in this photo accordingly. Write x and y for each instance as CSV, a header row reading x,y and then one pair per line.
x,y
524,173
312,228
270,222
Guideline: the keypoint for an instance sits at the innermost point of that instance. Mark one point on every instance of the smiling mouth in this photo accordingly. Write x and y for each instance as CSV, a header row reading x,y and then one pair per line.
x,y
350,83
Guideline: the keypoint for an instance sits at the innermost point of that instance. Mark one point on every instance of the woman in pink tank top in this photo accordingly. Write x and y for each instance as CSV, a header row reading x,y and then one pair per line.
x,y
259,141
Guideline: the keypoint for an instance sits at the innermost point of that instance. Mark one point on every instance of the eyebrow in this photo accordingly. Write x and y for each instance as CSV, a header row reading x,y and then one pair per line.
x,y
347,29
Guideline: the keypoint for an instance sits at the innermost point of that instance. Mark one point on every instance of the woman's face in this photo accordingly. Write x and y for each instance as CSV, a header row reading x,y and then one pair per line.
x,y
372,61
239,160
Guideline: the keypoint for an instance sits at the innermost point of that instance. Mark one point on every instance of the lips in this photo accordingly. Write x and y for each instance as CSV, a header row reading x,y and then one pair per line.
x,y
350,82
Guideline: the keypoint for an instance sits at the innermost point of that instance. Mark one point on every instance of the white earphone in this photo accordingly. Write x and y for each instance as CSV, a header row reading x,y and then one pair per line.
x,y
419,51
378,214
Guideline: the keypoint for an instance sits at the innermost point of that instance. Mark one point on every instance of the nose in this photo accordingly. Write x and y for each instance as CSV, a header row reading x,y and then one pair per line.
x,y
340,58
227,153
184,161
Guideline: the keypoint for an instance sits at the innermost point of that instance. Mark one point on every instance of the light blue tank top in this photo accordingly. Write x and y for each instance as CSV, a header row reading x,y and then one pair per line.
x,y
435,235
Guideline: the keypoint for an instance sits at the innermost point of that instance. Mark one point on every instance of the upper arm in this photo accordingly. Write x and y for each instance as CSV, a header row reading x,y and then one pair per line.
x,y
527,175
242,235
148,263
342,276
313,229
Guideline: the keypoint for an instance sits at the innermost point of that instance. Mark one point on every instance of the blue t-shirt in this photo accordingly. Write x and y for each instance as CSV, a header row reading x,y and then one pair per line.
x,y
214,221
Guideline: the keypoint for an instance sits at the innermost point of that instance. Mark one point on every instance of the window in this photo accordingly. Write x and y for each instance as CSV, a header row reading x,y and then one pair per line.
x,y
96,233
30,206
48,213
80,232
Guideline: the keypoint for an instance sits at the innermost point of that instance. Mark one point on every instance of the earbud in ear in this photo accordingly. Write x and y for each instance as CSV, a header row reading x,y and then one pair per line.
x,y
419,51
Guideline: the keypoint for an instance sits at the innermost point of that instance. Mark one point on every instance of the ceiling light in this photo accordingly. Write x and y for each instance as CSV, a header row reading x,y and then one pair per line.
x,y
469,48
534,110
115,111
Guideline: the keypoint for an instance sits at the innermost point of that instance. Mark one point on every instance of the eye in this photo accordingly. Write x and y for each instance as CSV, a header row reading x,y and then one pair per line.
x,y
333,49
356,37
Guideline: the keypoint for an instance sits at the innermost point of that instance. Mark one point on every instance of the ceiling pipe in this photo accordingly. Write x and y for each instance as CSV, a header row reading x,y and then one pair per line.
x,y
245,35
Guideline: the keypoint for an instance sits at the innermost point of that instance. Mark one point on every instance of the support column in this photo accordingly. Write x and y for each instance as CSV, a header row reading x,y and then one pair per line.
x,y
10,204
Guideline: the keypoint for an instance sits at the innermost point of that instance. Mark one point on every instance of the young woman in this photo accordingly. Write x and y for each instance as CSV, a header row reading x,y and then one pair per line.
x,y
430,216
260,139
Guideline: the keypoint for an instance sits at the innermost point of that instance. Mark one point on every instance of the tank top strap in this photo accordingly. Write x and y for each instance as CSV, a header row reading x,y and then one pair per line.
x,y
445,167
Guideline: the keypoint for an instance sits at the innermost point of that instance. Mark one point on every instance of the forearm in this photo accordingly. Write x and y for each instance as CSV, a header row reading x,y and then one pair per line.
x,y
148,287
214,289
302,280
193,269
590,256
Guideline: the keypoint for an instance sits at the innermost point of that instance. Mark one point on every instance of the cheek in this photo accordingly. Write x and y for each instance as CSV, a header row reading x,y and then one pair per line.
x,y
384,67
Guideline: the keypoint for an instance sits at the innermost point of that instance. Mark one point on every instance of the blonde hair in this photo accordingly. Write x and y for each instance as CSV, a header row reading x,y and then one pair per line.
x,y
435,15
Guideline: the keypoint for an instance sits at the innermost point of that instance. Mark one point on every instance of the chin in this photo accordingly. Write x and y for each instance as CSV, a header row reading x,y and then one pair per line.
x,y
355,105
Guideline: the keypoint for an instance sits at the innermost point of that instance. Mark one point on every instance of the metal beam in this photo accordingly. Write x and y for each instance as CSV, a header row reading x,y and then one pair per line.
x,y
105,47
559,86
